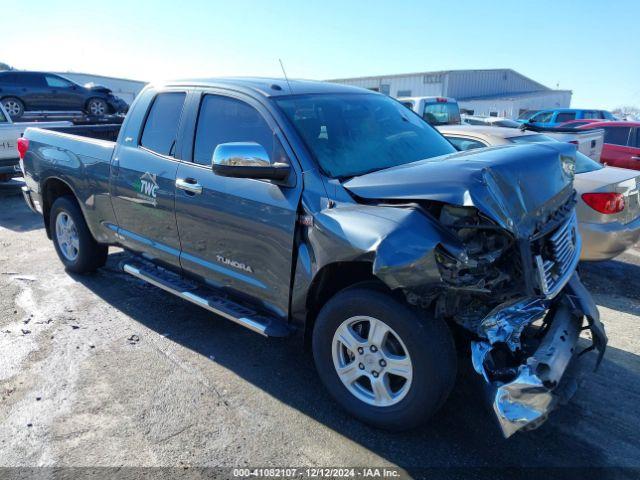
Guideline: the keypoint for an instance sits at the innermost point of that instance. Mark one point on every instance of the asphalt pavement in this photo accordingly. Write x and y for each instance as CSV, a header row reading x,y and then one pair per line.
x,y
105,370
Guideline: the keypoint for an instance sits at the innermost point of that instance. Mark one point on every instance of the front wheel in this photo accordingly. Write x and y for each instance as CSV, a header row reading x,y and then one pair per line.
x,y
97,106
383,361
74,244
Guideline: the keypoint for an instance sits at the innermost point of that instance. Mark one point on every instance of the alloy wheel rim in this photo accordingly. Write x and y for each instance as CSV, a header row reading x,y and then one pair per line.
x,y
12,108
97,108
67,236
372,361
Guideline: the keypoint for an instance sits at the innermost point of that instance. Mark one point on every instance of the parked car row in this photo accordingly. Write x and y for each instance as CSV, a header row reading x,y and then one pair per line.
x,y
620,142
22,92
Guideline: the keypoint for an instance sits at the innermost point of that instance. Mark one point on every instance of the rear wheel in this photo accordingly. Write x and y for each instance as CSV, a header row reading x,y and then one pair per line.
x,y
383,361
97,106
74,244
13,106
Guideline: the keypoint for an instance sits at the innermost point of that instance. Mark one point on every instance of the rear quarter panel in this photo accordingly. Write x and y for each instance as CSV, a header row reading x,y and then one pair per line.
x,y
81,163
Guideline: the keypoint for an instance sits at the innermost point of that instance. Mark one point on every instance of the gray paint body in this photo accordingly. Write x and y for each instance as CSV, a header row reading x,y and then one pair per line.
x,y
256,222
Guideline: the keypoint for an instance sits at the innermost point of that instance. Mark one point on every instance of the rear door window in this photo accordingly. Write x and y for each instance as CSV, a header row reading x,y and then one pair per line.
x,y
565,117
161,128
33,80
225,120
592,114
617,135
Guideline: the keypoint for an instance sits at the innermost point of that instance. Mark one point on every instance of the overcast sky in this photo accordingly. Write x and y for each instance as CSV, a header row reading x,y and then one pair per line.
x,y
591,46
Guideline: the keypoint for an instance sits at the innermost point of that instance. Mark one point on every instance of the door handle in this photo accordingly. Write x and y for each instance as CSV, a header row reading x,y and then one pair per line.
x,y
635,158
189,185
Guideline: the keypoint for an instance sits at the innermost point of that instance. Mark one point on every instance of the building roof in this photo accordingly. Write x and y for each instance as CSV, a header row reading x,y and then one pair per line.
x,y
513,96
271,87
438,72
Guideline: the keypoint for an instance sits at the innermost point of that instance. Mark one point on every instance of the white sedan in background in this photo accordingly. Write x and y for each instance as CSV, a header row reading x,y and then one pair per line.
x,y
608,198
9,134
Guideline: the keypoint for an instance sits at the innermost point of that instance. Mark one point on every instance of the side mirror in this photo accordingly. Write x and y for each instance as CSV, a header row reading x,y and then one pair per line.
x,y
247,160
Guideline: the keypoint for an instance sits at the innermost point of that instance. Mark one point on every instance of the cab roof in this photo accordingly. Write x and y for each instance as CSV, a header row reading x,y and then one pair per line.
x,y
268,87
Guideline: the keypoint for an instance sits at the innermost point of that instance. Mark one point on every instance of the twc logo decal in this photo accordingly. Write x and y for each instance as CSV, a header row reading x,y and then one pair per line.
x,y
147,188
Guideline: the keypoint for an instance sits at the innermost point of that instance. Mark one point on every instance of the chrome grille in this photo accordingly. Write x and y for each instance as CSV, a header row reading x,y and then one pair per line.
x,y
560,257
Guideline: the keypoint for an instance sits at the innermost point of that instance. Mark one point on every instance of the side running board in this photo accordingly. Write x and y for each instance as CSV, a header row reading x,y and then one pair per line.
x,y
206,298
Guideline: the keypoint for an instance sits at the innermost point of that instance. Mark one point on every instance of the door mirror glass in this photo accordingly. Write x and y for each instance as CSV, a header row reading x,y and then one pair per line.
x,y
247,160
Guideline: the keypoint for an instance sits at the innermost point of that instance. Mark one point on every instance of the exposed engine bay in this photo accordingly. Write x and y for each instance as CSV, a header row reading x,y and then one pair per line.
x,y
524,334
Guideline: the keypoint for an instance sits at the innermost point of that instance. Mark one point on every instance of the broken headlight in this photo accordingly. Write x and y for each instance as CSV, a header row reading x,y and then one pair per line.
x,y
479,268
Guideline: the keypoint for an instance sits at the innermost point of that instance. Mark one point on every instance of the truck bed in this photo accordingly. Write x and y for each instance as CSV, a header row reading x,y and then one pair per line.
x,y
589,142
74,147
102,132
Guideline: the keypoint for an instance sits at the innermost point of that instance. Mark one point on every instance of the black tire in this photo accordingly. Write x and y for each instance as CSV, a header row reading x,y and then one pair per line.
x,y
90,254
97,107
429,344
14,107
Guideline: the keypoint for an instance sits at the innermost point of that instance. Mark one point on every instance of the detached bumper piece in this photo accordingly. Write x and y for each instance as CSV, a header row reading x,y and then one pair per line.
x,y
522,395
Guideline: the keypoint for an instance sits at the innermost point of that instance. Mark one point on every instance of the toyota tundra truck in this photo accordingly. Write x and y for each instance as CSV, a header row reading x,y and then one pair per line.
x,y
337,217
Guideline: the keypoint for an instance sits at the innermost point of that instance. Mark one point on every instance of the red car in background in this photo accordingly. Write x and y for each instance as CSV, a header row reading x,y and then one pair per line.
x,y
580,123
621,143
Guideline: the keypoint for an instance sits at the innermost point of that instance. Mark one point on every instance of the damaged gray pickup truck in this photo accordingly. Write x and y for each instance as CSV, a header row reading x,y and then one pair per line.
x,y
338,217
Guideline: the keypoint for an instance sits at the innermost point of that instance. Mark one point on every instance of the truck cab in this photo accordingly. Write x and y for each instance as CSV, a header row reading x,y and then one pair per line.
x,y
558,116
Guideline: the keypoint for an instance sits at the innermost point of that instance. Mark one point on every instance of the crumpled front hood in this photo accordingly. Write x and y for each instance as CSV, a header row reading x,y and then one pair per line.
x,y
513,185
97,88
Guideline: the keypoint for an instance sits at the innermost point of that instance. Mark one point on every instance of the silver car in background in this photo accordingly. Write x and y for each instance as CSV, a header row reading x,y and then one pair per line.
x,y
608,205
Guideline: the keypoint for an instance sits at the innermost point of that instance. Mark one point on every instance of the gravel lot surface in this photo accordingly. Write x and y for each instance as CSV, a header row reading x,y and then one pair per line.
x,y
104,370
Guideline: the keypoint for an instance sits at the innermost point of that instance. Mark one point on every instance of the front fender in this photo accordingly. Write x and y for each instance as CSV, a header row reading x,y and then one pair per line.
x,y
398,242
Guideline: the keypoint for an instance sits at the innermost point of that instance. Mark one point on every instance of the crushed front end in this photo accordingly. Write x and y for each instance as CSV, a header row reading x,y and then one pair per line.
x,y
489,242
521,302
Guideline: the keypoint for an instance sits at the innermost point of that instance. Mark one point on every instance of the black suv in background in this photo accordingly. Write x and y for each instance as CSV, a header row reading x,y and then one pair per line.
x,y
24,91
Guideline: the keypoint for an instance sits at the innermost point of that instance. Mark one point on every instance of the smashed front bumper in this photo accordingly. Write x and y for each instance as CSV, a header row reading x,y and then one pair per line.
x,y
522,396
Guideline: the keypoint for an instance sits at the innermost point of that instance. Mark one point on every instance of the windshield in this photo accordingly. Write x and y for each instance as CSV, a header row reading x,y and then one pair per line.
x,y
527,115
440,113
355,133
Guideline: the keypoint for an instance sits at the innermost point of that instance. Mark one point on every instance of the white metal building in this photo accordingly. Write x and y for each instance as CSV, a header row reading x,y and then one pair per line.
x,y
122,87
496,92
